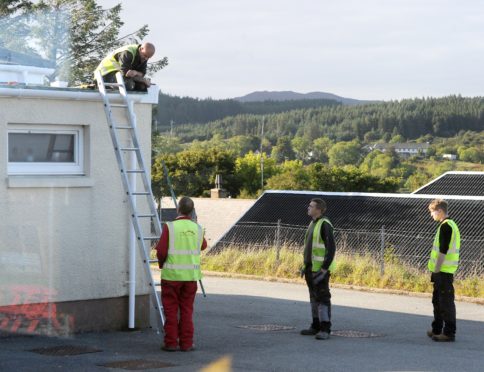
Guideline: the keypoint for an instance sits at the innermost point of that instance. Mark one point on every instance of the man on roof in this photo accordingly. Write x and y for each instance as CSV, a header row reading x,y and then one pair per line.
x,y
132,61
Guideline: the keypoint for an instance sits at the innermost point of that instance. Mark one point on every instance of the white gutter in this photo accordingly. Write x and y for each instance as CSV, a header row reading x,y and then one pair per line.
x,y
78,94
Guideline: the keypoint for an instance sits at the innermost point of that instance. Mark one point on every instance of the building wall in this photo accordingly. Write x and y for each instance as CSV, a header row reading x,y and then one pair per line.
x,y
216,215
65,239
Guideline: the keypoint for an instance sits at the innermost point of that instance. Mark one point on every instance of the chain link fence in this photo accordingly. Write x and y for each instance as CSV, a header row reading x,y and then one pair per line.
x,y
406,247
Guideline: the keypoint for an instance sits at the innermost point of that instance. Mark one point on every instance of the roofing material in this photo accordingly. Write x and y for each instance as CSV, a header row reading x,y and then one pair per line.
x,y
455,183
361,217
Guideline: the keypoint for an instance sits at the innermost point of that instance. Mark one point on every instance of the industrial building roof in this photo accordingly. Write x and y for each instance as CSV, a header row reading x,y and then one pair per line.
x,y
360,217
455,183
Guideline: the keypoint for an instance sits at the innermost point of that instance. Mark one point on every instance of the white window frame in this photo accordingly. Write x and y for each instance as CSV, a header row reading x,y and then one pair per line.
x,y
50,168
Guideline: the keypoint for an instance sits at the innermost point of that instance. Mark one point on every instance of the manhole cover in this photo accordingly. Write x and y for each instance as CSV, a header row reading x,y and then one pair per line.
x,y
267,327
353,333
65,350
137,364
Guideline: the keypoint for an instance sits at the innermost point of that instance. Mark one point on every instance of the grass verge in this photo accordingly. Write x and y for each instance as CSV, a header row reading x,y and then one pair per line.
x,y
350,270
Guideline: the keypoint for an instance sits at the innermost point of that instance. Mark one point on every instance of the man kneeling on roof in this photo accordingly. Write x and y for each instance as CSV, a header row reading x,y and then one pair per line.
x,y
132,61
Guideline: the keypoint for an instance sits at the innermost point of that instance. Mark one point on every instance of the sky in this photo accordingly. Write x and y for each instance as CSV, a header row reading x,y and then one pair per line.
x,y
363,49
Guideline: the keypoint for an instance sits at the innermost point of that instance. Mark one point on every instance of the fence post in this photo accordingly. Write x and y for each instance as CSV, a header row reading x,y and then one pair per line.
x,y
382,251
278,240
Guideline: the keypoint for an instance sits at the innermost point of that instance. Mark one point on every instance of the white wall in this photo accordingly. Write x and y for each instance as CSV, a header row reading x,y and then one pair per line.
x,y
216,215
68,235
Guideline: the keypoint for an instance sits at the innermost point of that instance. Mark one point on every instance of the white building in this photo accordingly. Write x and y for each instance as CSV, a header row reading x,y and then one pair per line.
x,y
64,229
403,149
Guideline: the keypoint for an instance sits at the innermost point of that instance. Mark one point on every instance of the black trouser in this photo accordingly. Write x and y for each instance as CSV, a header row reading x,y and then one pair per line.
x,y
130,83
320,298
444,305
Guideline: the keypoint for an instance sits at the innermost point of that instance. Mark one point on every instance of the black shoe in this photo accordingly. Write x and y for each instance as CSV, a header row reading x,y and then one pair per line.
x,y
311,331
322,335
443,338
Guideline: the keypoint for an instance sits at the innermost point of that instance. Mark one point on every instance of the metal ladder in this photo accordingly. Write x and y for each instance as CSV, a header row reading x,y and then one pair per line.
x,y
132,173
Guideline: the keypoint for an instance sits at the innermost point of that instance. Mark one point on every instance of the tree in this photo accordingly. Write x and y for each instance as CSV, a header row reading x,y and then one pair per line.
x,y
283,150
397,139
293,176
75,34
302,147
192,172
472,154
8,7
379,164
347,179
416,180
248,171
164,145
320,149
344,153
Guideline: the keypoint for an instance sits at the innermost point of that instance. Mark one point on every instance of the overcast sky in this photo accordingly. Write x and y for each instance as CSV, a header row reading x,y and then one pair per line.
x,y
364,49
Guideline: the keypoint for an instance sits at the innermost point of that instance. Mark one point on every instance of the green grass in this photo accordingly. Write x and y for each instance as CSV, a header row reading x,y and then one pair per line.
x,y
351,270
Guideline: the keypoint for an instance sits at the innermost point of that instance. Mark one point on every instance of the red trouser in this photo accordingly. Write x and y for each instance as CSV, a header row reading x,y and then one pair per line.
x,y
177,299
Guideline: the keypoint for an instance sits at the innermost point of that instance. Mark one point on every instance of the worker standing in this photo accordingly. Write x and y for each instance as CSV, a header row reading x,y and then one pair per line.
x,y
443,263
178,253
132,61
319,251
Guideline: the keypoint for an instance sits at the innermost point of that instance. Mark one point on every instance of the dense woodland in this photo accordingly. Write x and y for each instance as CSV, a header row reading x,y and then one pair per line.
x,y
317,148
183,110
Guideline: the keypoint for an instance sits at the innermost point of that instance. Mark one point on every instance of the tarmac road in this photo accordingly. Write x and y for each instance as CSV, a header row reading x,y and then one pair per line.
x,y
238,321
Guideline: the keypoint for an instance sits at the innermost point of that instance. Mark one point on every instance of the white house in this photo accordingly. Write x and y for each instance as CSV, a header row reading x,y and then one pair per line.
x,y
406,149
64,229
449,156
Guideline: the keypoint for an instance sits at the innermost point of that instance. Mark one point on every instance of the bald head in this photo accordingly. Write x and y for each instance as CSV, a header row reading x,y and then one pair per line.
x,y
147,50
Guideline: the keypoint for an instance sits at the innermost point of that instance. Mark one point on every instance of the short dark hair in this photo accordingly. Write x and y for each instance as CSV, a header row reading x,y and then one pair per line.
x,y
185,205
439,204
320,204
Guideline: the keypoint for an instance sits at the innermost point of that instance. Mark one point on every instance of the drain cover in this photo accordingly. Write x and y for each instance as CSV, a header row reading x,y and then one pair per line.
x,y
137,364
266,327
65,350
355,334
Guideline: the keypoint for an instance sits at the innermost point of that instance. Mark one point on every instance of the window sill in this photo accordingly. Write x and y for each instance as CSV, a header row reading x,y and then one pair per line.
x,y
49,181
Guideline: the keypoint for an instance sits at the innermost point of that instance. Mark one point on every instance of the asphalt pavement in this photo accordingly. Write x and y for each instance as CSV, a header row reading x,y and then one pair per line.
x,y
252,325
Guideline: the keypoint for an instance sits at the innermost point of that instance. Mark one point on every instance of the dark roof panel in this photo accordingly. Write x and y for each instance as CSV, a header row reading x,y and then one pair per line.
x,y
455,183
406,221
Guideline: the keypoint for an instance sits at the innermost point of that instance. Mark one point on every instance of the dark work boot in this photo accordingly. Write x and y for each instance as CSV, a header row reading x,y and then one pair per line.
x,y
443,338
324,331
312,330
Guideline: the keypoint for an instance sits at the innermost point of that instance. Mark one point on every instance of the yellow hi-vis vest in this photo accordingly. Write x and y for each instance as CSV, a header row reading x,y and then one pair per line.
x,y
185,239
319,249
451,261
109,64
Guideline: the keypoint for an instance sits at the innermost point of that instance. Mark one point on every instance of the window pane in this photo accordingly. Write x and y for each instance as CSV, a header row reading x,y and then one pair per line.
x,y
41,147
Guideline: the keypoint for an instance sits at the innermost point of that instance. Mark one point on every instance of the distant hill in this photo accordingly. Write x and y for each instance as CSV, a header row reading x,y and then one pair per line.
x,y
294,96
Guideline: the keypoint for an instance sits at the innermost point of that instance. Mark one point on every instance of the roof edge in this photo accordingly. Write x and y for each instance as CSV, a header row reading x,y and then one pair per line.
x,y
377,195
77,95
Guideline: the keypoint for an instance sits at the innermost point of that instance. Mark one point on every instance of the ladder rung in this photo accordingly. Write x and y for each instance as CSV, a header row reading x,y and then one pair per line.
x,y
123,127
113,85
129,149
146,215
153,261
118,105
157,284
140,193
151,237
135,171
